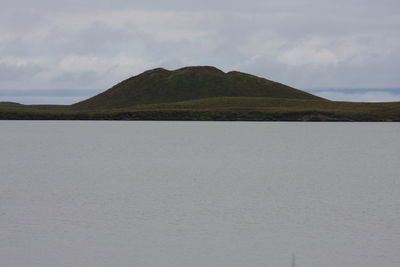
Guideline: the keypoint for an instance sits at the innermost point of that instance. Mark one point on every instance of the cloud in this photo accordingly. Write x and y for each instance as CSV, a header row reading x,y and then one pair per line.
x,y
360,95
35,100
306,55
94,71
17,68
303,43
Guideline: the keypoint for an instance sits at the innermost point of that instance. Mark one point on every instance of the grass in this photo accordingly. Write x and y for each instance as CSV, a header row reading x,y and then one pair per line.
x,y
163,86
220,108
204,93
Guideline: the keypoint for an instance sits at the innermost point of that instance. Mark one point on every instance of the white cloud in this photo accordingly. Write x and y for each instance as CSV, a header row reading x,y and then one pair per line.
x,y
33,100
17,69
21,62
75,63
328,50
360,96
304,43
95,72
308,55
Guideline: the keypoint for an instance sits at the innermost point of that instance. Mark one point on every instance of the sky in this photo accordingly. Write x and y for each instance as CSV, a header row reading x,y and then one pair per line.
x,y
65,51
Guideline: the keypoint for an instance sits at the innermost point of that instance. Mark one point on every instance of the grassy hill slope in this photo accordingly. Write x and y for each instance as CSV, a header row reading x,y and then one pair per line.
x,y
163,86
204,93
221,108
8,104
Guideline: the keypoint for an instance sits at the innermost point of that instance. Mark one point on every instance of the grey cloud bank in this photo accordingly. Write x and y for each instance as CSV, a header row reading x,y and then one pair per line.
x,y
95,44
359,95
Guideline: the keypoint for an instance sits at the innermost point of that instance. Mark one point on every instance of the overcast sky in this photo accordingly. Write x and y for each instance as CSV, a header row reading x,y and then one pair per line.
x,y
59,46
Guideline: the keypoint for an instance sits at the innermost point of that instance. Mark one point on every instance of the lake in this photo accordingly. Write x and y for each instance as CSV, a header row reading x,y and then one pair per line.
x,y
75,193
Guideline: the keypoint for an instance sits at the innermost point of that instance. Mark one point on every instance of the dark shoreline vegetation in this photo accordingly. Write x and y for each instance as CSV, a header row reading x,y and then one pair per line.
x,y
204,94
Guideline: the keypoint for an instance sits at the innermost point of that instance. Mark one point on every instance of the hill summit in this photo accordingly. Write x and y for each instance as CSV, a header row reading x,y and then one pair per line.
x,y
164,86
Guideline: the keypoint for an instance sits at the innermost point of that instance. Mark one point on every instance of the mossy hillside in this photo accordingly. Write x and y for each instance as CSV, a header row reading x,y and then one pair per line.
x,y
164,86
221,108
8,104
204,93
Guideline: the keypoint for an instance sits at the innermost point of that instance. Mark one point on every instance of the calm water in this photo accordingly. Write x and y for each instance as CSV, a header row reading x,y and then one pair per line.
x,y
199,194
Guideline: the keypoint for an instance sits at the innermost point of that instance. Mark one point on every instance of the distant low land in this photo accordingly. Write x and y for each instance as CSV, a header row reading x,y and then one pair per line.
x,y
204,93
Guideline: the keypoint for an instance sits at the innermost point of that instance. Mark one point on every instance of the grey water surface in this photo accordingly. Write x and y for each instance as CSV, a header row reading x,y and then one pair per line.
x,y
75,193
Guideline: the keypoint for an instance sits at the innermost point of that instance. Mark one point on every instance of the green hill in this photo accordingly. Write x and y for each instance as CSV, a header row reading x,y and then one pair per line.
x,y
164,86
204,93
7,104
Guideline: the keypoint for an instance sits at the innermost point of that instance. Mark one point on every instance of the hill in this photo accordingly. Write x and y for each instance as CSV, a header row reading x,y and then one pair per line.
x,y
220,108
7,103
163,86
204,93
